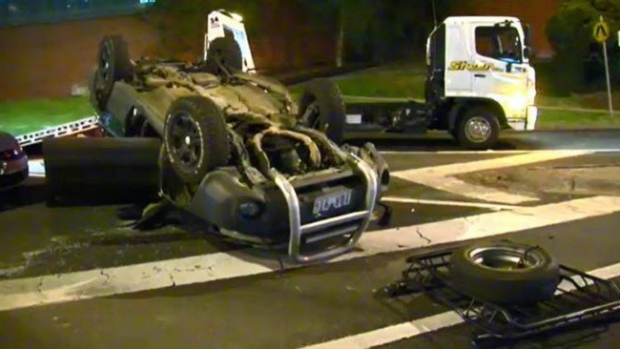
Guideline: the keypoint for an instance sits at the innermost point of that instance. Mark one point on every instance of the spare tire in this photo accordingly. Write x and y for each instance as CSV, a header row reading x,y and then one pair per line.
x,y
227,52
195,138
322,108
113,64
505,272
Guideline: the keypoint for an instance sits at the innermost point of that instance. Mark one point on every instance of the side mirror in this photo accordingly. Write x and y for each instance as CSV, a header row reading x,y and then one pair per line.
x,y
527,40
527,52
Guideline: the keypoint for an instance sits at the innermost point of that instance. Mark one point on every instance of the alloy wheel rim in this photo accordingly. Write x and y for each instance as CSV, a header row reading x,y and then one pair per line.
x,y
478,129
505,258
186,143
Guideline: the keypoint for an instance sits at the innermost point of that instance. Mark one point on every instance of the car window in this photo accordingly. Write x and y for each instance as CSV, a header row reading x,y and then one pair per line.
x,y
498,42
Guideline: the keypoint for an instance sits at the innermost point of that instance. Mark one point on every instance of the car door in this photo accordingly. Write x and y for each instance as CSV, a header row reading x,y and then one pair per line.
x,y
499,48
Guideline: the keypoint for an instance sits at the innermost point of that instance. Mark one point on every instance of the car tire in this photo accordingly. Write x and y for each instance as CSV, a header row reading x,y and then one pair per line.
x,y
196,138
475,270
478,128
329,115
228,51
113,64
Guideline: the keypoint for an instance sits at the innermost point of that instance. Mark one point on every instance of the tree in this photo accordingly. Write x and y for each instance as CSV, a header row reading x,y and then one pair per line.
x,y
570,34
182,23
376,30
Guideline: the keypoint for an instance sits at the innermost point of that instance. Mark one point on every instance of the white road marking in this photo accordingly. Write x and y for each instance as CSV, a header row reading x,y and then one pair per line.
x,y
440,177
50,289
491,151
490,164
454,152
449,203
411,329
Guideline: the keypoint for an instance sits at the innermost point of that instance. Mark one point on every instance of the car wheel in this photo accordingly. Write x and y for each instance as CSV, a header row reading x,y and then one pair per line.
x,y
505,272
478,128
113,64
322,108
147,131
140,127
227,52
195,138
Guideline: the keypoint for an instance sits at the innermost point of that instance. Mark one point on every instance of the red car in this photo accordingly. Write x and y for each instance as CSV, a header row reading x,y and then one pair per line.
x,y
13,162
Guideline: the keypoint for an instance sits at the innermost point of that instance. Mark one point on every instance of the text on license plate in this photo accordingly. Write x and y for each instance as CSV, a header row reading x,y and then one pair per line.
x,y
332,201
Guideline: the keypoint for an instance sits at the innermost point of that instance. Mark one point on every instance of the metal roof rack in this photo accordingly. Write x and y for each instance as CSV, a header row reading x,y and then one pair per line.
x,y
579,298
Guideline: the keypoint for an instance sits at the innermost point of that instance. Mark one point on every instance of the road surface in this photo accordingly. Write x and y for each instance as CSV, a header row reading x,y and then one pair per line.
x,y
79,277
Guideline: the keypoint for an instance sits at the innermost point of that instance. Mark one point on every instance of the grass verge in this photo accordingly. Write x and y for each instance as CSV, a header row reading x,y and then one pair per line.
x,y
23,117
404,81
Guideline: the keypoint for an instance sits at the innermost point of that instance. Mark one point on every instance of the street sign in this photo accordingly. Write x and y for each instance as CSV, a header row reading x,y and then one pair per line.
x,y
601,34
601,31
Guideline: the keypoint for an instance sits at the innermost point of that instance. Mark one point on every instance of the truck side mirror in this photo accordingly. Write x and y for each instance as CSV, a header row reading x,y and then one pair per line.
x,y
527,40
527,52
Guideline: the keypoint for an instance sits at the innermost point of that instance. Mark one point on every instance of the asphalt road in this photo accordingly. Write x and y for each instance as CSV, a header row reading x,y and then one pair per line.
x,y
289,309
535,140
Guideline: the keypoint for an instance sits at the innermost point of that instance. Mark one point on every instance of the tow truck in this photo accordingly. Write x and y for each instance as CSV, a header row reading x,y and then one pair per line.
x,y
479,81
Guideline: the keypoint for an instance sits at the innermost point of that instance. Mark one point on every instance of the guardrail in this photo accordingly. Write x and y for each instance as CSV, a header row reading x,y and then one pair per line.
x,y
68,129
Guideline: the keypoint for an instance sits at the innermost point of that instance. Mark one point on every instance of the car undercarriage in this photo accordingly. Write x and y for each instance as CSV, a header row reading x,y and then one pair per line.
x,y
240,153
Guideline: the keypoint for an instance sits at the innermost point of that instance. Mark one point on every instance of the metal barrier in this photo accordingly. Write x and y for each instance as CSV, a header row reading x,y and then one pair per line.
x,y
68,129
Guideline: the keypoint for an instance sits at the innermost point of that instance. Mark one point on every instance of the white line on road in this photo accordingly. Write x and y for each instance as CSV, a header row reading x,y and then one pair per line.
x,y
491,151
50,289
490,164
449,203
440,177
411,329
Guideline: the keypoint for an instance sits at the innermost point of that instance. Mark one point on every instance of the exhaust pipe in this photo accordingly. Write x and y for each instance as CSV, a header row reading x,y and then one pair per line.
x,y
101,170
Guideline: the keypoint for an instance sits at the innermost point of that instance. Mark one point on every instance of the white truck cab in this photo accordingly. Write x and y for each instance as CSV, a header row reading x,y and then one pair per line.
x,y
484,60
221,24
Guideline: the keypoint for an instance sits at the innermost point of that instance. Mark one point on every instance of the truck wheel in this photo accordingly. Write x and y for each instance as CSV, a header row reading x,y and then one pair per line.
x,y
195,138
505,272
228,52
113,64
322,108
478,128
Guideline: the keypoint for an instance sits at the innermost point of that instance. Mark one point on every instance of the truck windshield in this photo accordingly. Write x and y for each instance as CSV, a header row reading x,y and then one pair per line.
x,y
503,43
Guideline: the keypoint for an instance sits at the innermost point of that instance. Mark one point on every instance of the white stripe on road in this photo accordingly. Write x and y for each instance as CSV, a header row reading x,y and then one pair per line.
x,y
411,329
440,177
490,151
50,289
456,152
489,164
474,191
483,225
449,203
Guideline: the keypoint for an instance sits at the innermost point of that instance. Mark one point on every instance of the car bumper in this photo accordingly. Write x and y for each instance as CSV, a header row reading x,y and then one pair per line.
x,y
527,122
13,172
290,210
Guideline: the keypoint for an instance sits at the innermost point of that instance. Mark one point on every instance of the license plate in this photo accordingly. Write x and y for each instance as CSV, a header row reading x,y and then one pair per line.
x,y
334,201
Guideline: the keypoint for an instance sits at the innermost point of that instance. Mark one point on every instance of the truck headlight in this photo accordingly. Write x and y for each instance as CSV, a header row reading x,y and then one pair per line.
x,y
517,102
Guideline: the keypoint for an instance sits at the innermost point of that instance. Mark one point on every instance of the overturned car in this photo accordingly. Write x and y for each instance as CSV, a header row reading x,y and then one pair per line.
x,y
240,153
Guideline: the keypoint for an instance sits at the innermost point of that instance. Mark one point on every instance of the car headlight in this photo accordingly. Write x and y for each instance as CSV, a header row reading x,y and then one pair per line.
x,y
250,209
15,152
